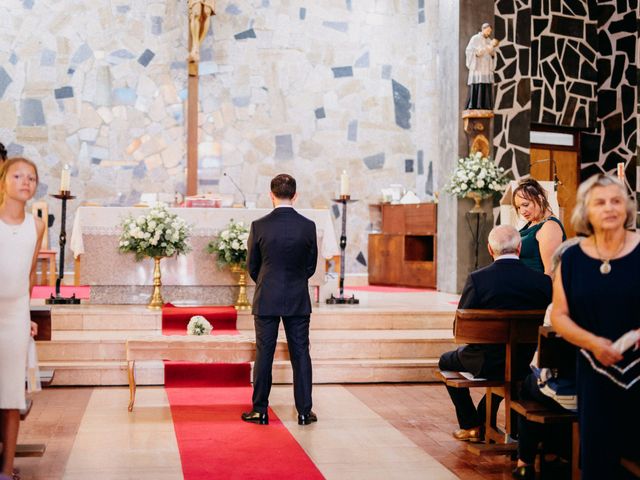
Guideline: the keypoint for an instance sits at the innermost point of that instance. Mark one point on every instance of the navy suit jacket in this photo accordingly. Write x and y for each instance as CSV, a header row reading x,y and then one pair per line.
x,y
282,253
505,284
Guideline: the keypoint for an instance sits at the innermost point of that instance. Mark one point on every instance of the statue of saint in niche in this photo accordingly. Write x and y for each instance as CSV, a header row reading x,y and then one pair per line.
x,y
481,62
200,13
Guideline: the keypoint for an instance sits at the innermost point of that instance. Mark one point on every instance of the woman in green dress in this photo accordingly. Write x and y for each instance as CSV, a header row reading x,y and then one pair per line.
x,y
543,233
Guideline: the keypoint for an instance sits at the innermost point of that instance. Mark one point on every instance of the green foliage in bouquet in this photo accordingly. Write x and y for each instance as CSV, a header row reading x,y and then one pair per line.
x,y
230,246
476,173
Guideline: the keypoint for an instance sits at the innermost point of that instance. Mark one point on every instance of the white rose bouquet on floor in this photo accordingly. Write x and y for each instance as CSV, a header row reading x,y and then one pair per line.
x,y
198,325
230,246
158,233
478,174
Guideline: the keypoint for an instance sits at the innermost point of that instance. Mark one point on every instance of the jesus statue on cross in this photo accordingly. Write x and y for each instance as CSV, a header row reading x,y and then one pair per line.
x,y
200,13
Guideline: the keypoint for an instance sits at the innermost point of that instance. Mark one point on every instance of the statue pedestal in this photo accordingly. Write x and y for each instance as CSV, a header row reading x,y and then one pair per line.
x,y
477,127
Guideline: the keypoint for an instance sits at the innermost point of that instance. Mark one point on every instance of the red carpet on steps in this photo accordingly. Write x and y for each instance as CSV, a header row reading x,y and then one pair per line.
x,y
206,402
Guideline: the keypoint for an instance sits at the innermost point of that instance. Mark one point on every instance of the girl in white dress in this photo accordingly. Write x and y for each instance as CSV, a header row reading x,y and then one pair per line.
x,y
20,239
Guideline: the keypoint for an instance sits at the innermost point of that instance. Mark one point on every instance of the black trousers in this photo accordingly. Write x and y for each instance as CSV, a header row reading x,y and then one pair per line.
x,y
297,331
468,415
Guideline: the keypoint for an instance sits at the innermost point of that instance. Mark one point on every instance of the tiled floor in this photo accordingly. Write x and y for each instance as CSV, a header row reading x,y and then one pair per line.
x,y
365,432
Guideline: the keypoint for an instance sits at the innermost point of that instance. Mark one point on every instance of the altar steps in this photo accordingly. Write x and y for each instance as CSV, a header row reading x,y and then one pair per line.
x,y
348,345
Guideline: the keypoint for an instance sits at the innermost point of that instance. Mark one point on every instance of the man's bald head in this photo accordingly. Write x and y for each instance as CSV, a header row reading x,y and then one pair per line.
x,y
503,240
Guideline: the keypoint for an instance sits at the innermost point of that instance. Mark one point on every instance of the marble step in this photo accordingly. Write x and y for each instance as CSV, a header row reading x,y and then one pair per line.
x,y
137,317
324,371
109,345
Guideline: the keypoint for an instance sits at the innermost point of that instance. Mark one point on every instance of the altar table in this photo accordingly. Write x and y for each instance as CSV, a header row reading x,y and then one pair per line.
x,y
113,275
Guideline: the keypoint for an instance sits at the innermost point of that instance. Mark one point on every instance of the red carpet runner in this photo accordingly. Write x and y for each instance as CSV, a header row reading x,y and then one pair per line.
x,y
206,402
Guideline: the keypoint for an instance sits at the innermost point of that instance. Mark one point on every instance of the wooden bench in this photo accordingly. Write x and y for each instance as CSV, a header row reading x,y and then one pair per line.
x,y
511,328
203,349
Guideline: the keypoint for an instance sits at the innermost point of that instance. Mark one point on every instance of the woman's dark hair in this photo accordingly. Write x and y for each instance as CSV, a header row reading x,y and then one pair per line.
x,y
530,189
3,153
283,186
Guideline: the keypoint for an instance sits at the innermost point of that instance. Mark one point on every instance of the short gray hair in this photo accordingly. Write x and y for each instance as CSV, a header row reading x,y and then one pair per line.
x,y
580,215
504,239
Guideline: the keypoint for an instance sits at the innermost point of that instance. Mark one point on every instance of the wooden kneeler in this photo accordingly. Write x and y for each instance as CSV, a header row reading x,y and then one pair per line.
x,y
508,327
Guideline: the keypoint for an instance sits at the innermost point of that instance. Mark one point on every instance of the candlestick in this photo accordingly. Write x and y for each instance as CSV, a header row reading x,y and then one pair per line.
x,y
65,179
620,171
344,184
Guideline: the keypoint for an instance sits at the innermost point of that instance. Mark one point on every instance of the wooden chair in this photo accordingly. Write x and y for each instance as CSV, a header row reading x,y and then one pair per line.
x,y
46,257
511,328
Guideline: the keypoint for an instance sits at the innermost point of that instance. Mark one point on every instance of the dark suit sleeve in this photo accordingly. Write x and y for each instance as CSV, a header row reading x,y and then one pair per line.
x,y
312,259
469,298
254,257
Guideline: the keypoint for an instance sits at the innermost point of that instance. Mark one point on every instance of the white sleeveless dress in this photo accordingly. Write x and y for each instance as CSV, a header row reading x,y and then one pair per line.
x,y
17,244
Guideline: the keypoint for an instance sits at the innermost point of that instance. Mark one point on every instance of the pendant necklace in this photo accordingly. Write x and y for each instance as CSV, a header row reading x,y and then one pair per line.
x,y
605,267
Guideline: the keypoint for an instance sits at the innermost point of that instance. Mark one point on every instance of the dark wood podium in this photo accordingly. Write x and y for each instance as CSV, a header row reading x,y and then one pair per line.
x,y
404,253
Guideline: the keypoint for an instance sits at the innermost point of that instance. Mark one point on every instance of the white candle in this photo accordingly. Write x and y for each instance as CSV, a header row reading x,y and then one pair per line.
x,y
621,171
344,184
65,179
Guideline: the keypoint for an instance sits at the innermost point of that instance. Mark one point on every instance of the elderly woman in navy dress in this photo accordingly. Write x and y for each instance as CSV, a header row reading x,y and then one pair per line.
x,y
596,300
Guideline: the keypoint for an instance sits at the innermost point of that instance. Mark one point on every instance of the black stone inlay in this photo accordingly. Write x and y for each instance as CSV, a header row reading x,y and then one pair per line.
x,y
587,53
575,7
507,160
631,72
628,100
627,44
582,89
524,91
589,171
536,7
548,98
612,132
537,83
612,161
618,70
555,63
605,12
547,47
589,146
581,117
555,6
630,137
549,74
536,95
548,118
523,62
593,108
508,51
560,95
571,62
522,162
499,27
523,27
506,102
628,23
603,66
604,44
510,70
560,43
567,26
539,24
607,102
402,103
505,7
569,111
588,73
535,46
519,127
361,260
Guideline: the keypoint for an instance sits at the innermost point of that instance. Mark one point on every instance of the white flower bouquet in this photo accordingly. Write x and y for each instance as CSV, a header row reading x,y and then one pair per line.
x,y
477,174
159,233
230,246
198,325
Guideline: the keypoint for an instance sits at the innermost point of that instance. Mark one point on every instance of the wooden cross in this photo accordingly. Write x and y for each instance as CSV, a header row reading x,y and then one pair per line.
x,y
200,13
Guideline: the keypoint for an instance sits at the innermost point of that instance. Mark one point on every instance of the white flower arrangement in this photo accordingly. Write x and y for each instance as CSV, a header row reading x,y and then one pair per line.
x,y
476,173
198,325
230,246
159,233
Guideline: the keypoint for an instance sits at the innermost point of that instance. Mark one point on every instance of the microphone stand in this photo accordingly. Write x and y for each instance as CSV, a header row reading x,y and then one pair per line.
x,y
244,200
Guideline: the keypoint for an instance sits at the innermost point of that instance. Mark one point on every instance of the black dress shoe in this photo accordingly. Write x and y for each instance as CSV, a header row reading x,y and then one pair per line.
x,y
527,472
256,417
307,419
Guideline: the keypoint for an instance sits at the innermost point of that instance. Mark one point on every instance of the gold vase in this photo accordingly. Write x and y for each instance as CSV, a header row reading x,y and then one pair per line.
x,y
477,198
156,302
242,302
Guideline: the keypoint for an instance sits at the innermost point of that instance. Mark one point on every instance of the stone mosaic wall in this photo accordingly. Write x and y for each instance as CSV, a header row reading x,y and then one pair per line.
x,y
307,88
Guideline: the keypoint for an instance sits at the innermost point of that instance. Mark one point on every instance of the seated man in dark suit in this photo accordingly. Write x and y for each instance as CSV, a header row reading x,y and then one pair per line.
x,y
505,284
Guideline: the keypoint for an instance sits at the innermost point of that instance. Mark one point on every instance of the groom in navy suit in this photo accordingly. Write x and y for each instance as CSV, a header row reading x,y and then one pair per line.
x,y
281,257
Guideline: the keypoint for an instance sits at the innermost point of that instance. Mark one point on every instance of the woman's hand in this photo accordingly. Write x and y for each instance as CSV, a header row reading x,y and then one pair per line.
x,y
34,329
604,352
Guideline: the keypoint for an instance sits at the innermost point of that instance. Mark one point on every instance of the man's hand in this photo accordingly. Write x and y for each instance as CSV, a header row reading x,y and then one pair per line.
x,y
604,352
34,329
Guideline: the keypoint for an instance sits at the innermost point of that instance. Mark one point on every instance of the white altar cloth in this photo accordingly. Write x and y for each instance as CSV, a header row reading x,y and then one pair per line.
x,y
96,231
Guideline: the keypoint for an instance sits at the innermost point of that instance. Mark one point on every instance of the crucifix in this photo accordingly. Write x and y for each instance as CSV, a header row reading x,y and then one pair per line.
x,y
200,13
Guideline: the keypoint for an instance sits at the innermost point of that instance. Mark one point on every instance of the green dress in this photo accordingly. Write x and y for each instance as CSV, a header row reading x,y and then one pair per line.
x,y
530,252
